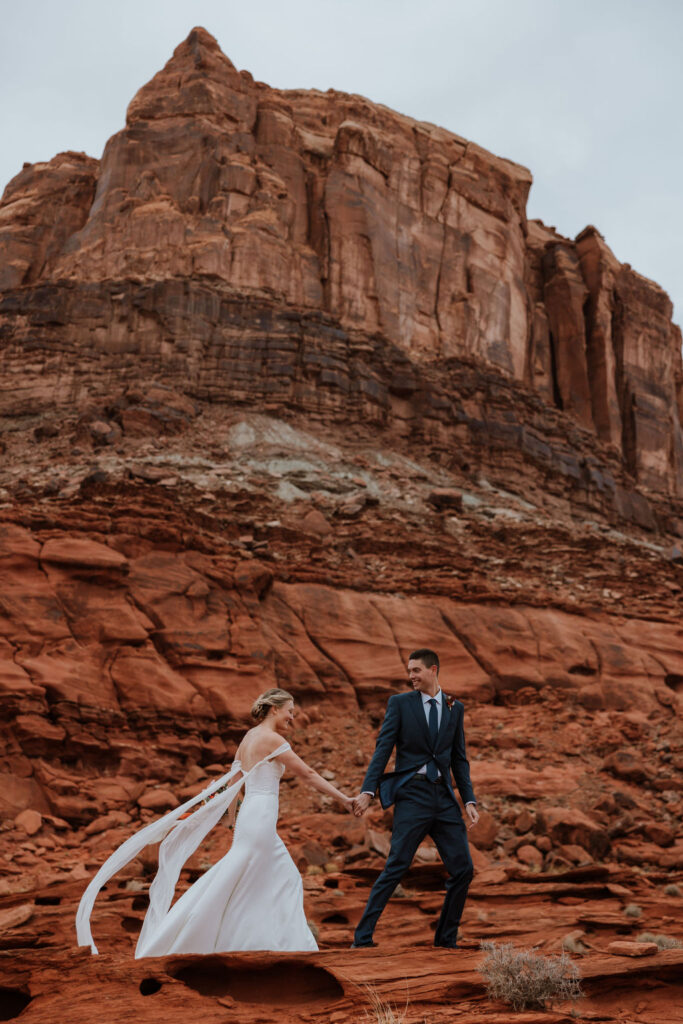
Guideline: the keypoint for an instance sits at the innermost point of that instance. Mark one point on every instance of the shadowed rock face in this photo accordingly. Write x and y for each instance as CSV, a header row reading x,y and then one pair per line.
x,y
330,249
289,984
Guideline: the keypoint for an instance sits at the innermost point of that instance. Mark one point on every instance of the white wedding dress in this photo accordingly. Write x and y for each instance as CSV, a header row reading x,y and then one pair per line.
x,y
251,899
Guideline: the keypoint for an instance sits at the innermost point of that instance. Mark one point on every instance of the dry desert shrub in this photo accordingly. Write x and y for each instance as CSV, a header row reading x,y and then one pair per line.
x,y
381,1012
633,910
525,980
572,943
672,890
663,941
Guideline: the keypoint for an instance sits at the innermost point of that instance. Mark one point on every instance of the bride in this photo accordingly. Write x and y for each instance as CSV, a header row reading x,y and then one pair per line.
x,y
252,898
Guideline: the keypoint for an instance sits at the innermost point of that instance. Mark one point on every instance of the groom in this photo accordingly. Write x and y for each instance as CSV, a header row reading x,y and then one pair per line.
x,y
426,727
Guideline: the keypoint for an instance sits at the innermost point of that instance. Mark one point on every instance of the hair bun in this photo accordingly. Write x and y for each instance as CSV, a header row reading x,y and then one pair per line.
x,y
273,698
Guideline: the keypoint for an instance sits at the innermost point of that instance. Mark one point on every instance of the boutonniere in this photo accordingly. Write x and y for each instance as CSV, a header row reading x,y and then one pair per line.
x,y
449,701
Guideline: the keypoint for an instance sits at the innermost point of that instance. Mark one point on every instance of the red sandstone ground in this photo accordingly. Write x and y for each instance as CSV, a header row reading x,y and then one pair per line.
x,y
212,484
140,628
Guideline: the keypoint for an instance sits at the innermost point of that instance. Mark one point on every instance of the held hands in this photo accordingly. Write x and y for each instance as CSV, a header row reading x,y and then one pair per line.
x,y
361,804
348,802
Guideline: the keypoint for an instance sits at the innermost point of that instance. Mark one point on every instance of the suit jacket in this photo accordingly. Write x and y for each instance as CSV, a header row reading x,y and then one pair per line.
x,y
405,727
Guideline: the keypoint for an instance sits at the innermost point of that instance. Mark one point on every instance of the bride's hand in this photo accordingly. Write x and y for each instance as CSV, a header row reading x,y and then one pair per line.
x,y
348,803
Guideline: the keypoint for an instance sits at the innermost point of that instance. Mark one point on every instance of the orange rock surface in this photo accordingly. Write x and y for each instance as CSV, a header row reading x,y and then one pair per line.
x,y
290,386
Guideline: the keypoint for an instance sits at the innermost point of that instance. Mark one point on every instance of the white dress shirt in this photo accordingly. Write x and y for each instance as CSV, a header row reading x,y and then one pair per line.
x,y
425,704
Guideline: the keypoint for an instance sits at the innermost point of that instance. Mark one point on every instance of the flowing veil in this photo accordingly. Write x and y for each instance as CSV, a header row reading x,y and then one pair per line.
x,y
178,845
182,839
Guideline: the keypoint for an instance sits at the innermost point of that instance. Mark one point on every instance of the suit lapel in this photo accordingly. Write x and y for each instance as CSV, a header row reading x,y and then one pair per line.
x,y
418,710
446,714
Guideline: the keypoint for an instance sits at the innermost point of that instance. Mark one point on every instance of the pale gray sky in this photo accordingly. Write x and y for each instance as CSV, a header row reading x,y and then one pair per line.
x,y
586,93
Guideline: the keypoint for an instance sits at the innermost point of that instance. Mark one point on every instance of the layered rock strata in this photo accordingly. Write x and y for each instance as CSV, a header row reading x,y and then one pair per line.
x,y
318,252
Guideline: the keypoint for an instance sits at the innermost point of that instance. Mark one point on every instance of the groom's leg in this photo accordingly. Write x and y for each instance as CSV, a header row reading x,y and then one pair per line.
x,y
450,835
413,814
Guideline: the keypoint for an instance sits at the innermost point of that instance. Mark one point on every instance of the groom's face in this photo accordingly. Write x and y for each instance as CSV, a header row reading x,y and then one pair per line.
x,y
422,678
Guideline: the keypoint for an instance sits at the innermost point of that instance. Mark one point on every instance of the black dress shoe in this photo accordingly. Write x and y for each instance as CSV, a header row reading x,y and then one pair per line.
x,y
362,945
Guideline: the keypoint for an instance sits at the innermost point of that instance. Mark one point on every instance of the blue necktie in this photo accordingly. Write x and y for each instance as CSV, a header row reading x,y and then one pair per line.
x,y
432,770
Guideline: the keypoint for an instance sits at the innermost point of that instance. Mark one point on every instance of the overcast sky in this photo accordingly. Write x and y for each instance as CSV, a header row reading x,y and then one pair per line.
x,y
586,93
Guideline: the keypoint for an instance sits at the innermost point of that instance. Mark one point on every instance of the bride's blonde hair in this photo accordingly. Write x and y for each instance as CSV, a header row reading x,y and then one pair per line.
x,y
273,698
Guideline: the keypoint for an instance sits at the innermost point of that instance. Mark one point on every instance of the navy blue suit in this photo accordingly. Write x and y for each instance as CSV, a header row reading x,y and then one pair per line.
x,y
421,808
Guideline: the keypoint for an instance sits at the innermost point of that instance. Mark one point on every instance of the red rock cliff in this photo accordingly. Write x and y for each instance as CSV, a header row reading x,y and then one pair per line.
x,y
321,251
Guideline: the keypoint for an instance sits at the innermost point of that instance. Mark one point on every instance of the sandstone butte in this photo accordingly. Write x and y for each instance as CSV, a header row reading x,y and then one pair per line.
x,y
289,385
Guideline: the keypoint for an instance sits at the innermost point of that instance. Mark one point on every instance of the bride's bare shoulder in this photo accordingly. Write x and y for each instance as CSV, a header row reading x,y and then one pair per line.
x,y
279,741
258,744
245,743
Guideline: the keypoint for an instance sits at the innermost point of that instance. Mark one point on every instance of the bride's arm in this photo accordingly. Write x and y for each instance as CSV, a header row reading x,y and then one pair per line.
x,y
298,767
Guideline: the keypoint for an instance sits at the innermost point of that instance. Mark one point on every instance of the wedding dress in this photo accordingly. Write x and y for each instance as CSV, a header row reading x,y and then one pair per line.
x,y
251,899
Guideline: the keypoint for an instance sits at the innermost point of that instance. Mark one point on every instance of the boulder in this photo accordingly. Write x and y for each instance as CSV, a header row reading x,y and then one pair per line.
x,y
621,947
14,917
570,825
82,552
529,855
315,522
107,821
524,821
30,821
158,800
626,764
445,498
253,576
484,834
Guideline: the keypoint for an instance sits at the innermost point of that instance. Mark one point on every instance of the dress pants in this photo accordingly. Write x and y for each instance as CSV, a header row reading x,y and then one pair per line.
x,y
423,808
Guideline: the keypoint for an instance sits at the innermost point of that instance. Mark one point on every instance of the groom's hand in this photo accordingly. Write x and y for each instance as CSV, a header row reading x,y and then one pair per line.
x,y
472,814
361,804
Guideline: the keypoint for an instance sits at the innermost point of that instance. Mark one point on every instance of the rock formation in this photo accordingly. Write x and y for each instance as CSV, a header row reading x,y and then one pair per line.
x,y
290,385
321,253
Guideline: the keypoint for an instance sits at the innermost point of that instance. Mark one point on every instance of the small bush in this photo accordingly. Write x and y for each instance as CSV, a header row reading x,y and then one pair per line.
x,y
525,980
663,941
633,910
672,890
572,943
381,1012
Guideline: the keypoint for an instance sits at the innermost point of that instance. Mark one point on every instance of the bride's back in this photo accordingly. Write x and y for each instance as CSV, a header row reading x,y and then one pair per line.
x,y
257,744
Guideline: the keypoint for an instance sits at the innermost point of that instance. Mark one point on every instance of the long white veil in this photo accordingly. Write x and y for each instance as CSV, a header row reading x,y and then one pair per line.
x,y
182,839
178,845
179,851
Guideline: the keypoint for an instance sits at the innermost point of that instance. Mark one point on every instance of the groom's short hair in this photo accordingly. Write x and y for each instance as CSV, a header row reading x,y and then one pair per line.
x,y
428,658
